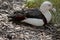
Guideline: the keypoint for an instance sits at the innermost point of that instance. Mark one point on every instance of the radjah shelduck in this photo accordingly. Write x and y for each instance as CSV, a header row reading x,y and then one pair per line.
x,y
34,16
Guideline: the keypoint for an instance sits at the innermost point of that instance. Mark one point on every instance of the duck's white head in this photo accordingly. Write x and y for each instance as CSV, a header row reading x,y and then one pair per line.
x,y
47,6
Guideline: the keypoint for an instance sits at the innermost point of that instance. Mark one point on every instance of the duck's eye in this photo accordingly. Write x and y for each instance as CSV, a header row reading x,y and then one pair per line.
x,y
49,5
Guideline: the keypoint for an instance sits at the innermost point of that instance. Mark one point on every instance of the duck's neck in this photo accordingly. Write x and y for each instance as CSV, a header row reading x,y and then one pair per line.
x,y
47,14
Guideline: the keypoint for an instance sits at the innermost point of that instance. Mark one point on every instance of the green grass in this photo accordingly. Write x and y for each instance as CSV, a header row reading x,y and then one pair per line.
x,y
56,4
56,16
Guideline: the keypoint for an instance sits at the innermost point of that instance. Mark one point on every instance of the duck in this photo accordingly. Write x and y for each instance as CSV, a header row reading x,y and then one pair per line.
x,y
40,17
35,16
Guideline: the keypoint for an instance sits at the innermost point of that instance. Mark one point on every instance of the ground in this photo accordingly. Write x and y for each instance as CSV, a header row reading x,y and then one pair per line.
x,y
13,31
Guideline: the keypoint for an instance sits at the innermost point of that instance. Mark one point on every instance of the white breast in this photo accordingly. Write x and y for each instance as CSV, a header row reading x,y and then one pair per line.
x,y
34,21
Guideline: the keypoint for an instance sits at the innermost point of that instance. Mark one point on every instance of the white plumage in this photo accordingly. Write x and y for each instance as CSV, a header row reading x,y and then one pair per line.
x,y
33,21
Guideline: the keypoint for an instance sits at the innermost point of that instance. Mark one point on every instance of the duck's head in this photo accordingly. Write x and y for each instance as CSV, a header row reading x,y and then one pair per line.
x,y
47,6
